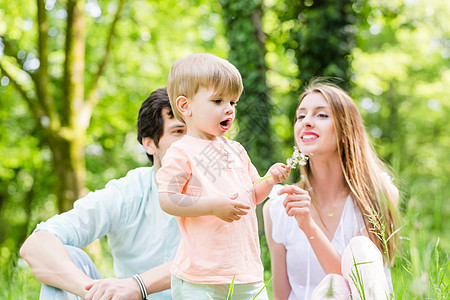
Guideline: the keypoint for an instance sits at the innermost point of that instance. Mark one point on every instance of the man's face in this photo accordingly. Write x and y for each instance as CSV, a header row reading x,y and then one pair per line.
x,y
173,131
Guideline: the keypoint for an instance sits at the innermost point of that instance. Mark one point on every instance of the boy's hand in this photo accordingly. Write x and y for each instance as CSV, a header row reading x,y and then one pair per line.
x,y
280,172
229,210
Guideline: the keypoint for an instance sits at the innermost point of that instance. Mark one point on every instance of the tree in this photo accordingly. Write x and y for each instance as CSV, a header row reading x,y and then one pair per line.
x,y
307,39
144,45
243,29
243,24
62,111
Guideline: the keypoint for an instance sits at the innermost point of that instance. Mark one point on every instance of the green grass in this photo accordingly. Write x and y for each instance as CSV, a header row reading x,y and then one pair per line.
x,y
421,269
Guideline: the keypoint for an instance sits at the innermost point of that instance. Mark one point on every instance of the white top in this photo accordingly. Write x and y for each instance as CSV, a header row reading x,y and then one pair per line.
x,y
303,269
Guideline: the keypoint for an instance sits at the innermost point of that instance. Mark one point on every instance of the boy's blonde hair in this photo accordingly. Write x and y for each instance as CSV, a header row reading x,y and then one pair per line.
x,y
205,70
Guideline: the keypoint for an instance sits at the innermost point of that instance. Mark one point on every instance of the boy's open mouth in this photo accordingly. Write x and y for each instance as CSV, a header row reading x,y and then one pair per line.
x,y
225,124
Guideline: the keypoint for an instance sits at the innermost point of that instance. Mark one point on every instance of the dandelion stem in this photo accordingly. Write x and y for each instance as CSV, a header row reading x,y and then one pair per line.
x,y
262,179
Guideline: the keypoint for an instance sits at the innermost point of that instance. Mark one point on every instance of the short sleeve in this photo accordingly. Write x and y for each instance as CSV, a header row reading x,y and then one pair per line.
x,y
252,171
278,215
175,171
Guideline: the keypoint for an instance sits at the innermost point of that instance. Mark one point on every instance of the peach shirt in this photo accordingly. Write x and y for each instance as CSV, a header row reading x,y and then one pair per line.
x,y
212,251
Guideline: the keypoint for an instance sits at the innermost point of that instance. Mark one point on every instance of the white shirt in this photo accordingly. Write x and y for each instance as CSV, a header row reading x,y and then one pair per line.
x,y
141,236
303,269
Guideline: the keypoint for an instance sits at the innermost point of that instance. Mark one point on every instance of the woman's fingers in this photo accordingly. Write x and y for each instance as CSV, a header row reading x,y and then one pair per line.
x,y
292,198
297,211
297,201
292,189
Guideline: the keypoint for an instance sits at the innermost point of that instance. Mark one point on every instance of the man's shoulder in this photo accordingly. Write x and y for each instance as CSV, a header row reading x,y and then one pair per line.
x,y
136,183
142,174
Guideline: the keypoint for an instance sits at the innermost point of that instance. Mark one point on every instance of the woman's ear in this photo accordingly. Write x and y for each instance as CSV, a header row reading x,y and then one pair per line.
x,y
183,106
149,145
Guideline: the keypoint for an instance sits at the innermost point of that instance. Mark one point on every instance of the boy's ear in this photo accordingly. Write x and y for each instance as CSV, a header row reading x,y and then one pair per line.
x,y
183,106
149,145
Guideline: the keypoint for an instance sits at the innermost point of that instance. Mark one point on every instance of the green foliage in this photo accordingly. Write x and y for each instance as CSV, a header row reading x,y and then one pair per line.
x,y
400,77
242,20
320,33
144,47
306,39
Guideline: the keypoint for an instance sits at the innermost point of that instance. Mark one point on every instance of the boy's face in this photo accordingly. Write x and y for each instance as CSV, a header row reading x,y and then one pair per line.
x,y
211,116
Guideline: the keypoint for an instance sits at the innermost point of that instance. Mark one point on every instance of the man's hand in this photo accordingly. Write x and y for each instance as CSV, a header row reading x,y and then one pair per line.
x,y
112,288
229,209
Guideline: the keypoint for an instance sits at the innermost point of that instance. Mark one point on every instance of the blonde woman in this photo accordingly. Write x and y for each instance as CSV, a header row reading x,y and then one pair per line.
x,y
328,234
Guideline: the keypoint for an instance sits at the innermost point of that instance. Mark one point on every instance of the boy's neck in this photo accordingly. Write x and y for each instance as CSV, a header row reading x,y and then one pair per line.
x,y
208,137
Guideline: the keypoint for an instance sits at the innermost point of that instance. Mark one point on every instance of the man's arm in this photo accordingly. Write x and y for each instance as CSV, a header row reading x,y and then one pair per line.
x,y
155,280
51,264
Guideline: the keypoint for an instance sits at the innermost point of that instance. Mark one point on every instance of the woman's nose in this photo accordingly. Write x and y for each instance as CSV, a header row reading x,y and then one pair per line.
x,y
307,121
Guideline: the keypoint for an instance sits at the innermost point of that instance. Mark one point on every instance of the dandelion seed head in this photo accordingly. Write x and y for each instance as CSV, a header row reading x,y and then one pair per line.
x,y
297,158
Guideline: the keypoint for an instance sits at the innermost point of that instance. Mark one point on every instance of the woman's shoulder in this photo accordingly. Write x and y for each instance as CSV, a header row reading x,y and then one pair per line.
x,y
274,192
274,206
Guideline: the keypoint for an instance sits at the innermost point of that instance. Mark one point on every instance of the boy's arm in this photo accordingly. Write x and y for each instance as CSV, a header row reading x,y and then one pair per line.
x,y
51,264
279,172
173,177
225,208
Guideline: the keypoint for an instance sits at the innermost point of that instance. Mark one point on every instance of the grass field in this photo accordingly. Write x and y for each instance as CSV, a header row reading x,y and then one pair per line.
x,y
421,269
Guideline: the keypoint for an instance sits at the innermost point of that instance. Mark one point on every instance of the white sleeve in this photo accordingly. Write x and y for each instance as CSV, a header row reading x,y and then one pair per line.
x,y
278,215
97,214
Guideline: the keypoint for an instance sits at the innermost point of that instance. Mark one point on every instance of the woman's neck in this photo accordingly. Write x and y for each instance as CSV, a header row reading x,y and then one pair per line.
x,y
327,179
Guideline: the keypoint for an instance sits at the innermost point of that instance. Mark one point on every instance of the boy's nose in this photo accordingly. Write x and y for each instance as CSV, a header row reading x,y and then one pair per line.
x,y
229,110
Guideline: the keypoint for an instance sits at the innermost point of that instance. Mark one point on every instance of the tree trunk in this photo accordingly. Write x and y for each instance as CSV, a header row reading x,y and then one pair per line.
x,y
63,119
68,144
247,52
69,165
321,38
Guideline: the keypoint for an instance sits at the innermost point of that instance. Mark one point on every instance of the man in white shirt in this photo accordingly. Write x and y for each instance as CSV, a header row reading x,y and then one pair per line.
x,y
143,239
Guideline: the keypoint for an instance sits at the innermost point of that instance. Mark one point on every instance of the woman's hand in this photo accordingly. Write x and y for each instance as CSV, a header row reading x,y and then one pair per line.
x,y
297,204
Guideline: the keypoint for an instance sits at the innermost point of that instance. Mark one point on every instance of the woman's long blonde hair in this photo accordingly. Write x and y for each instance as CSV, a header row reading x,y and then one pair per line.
x,y
366,176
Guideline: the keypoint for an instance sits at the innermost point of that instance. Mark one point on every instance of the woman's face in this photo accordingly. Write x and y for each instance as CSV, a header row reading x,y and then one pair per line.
x,y
314,127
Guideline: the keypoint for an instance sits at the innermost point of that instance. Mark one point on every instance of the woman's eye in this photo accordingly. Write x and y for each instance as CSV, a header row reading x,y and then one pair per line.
x,y
323,115
301,117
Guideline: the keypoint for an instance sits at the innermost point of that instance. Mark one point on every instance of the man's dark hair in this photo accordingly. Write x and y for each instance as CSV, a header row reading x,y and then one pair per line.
x,y
150,120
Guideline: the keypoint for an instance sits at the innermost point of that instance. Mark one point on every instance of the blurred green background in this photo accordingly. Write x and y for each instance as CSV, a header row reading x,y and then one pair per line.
x,y
74,73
